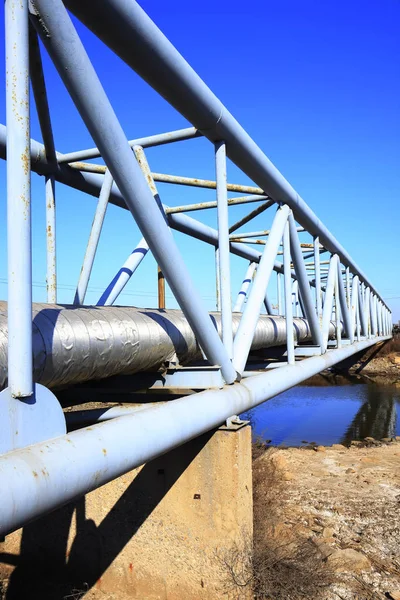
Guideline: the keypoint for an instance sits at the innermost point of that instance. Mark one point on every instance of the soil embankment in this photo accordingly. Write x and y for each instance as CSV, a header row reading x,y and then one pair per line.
x,y
327,522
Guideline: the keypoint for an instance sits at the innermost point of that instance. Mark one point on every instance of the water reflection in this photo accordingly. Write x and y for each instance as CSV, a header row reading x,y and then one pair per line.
x,y
376,417
327,415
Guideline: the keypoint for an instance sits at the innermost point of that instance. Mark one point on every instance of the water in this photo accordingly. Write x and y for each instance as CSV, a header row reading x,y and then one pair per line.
x,y
328,415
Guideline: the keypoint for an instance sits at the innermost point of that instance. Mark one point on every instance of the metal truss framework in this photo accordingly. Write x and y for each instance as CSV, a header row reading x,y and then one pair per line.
x,y
343,311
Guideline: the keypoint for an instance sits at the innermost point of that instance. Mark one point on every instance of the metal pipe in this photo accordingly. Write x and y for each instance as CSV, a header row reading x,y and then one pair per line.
x,y
205,183
268,305
83,418
348,290
328,302
93,240
217,280
263,232
317,261
354,306
42,477
120,280
279,293
69,56
304,284
19,244
42,108
338,322
248,322
175,179
248,278
348,328
364,327
213,204
223,246
161,288
254,213
367,309
146,142
132,35
373,314
295,297
288,296
76,344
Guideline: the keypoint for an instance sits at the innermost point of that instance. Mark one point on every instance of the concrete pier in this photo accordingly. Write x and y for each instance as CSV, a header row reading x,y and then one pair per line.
x,y
158,532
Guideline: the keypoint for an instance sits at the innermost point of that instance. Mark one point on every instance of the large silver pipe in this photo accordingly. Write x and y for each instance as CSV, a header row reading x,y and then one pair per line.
x,y
76,344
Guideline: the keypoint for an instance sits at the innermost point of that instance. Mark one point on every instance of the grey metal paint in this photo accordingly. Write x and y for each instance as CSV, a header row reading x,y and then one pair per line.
x,y
40,478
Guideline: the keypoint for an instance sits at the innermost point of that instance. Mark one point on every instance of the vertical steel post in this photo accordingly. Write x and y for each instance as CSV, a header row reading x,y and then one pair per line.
x,y
363,320
248,278
120,280
317,265
346,313
20,379
295,297
328,303
217,281
248,322
288,295
304,284
42,107
380,328
51,258
224,247
354,303
93,240
338,323
348,295
372,305
161,288
279,293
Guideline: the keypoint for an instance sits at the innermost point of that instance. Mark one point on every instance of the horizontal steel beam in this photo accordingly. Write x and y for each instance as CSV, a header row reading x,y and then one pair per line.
x,y
149,141
43,477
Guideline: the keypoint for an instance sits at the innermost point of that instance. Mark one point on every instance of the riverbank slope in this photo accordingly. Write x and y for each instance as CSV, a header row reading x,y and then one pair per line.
x,y
327,522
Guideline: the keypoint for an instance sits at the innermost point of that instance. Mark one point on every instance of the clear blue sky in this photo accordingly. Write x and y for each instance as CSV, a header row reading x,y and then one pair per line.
x,y
316,84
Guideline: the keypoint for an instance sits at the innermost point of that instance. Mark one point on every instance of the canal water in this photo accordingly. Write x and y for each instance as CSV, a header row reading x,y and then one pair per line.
x,y
328,415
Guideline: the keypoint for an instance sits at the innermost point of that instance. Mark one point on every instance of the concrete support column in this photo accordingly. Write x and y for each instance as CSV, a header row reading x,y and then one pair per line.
x,y
154,533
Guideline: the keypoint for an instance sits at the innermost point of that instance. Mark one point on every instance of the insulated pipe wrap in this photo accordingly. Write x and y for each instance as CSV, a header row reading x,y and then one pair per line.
x,y
76,344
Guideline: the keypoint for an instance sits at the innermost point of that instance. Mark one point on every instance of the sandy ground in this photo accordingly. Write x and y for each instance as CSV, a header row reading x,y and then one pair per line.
x,y
346,502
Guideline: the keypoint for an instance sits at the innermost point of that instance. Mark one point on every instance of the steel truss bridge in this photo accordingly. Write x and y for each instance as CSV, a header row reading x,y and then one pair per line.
x,y
186,371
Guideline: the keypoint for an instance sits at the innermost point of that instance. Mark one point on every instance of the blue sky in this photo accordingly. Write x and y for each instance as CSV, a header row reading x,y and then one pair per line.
x,y
317,85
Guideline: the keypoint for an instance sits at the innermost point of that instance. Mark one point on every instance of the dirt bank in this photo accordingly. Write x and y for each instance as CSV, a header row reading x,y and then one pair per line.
x,y
327,522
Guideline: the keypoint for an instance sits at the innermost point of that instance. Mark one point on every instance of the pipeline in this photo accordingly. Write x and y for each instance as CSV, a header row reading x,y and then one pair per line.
x,y
75,344
42,477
